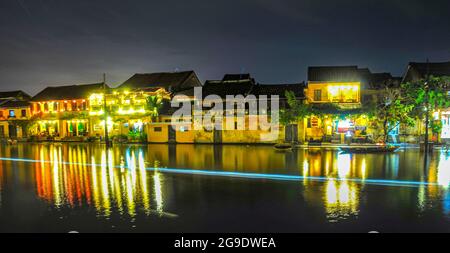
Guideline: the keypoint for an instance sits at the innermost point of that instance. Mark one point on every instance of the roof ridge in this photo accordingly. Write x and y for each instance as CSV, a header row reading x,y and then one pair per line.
x,y
71,85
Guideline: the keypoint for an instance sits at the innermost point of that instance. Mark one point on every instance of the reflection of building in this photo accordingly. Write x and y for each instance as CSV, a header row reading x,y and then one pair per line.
x,y
14,114
62,112
70,176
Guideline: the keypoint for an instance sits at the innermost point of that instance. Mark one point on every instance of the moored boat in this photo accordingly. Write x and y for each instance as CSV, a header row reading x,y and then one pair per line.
x,y
283,147
359,150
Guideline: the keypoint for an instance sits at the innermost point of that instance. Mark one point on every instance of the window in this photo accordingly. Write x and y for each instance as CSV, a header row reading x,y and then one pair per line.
x,y
344,93
23,113
12,114
157,129
317,95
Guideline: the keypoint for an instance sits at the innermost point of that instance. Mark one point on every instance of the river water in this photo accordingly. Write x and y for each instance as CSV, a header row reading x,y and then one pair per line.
x,y
213,188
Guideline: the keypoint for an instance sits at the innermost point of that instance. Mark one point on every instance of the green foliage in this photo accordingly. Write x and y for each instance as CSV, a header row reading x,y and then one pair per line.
x,y
436,126
154,106
135,135
391,111
295,110
427,96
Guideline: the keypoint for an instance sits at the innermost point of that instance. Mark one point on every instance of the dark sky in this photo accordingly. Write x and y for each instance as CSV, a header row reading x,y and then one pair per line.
x,y
55,42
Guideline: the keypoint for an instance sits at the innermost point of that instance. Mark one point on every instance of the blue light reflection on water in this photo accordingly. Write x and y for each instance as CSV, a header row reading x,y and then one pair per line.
x,y
384,182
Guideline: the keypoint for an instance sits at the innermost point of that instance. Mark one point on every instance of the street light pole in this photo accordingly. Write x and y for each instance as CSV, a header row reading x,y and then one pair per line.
x,y
105,111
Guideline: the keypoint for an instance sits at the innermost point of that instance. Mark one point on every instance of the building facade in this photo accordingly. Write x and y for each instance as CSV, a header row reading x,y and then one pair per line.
x,y
14,114
62,112
341,95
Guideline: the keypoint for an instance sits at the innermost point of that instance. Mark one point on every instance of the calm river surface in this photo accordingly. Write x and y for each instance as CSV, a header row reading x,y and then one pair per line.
x,y
207,188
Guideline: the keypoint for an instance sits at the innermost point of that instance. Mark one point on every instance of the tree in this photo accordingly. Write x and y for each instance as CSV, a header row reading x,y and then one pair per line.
x,y
427,96
391,111
154,105
294,111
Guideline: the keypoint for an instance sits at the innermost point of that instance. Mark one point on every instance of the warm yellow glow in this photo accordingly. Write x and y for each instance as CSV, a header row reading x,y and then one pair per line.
x,y
158,193
343,93
121,111
93,113
344,165
443,173
363,169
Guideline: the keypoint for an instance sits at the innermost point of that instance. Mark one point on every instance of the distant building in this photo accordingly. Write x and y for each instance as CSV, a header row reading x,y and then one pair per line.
x,y
246,86
14,114
419,70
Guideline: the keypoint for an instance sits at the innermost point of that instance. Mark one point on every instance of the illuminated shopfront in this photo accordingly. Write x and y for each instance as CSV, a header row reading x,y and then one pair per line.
x,y
445,118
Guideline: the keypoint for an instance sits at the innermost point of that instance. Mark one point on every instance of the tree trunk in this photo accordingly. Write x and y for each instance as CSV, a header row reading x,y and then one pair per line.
x,y
292,134
385,130
427,122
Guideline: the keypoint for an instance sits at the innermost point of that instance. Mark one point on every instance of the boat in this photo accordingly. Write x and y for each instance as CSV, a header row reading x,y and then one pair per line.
x,y
283,147
361,150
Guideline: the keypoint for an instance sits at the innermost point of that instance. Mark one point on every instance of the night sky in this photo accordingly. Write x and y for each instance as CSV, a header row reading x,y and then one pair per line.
x,y
57,42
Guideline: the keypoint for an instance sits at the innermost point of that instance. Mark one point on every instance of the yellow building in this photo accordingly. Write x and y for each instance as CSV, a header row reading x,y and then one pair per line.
x,y
61,113
14,119
339,93
138,110
14,114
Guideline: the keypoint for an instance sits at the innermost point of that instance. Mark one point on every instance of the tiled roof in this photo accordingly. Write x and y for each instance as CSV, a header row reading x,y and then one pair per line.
x,y
223,89
419,70
18,94
352,74
15,104
68,92
172,81
236,77
279,89
334,74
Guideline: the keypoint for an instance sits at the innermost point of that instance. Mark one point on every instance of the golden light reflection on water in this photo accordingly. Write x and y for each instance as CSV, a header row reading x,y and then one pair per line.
x,y
342,197
443,171
117,180
99,183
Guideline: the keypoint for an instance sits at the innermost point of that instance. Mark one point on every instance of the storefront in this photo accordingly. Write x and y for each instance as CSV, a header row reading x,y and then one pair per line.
x,y
339,129
77,128
445,133
47,128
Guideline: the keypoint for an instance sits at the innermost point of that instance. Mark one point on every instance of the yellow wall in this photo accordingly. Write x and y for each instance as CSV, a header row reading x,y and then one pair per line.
x,y
186,136
17,111
158,137
312,86
202,136
5,125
